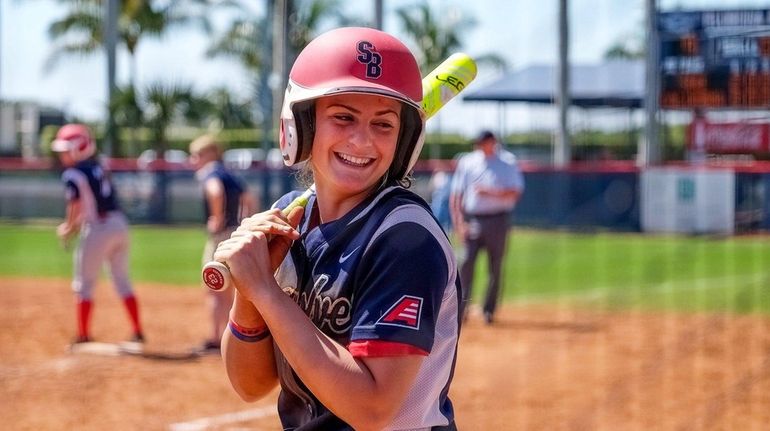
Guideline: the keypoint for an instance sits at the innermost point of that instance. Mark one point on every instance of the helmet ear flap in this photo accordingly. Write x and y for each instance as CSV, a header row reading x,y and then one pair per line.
x,y
304,120
410,141
297,130
83,149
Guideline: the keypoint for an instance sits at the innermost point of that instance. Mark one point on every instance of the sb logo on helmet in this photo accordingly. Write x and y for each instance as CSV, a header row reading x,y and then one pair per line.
x,y
371,58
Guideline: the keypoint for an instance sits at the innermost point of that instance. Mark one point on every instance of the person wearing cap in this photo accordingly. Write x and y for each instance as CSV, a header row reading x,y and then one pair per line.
x,y
226,200
485,187
350,304
92,210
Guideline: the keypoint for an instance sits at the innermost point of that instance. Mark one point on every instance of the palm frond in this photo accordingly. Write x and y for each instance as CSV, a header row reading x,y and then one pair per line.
x,y
80,21
434,37
61,50
241,42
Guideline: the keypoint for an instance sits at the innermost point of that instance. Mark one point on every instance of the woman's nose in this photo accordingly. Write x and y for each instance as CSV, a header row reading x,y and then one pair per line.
x,y
360,137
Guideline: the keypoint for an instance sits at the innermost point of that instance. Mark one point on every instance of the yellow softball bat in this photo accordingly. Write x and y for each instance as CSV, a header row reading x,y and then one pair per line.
x,y
446,81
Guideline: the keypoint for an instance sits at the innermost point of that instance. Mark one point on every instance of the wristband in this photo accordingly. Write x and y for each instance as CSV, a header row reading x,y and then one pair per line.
x,y
248,335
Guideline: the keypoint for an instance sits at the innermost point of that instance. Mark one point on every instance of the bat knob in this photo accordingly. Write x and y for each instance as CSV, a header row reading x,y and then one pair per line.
x,y
216,276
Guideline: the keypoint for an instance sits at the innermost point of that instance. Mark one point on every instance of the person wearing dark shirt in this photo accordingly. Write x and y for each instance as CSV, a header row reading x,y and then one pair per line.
x,y
92,210
226,200
352,303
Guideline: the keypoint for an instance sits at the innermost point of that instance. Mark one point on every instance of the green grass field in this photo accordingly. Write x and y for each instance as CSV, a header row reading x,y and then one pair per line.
x,y
169,255
613,270
605,270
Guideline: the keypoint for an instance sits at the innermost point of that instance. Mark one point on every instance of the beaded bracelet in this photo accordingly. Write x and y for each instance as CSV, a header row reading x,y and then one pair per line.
x,y
249,335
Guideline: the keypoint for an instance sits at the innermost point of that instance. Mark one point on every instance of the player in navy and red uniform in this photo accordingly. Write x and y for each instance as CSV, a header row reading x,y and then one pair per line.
x,y
358,292
93,210
226,200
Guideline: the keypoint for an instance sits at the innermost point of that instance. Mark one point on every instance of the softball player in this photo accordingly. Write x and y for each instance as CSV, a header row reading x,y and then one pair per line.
x,y
358,292
226,198
92,210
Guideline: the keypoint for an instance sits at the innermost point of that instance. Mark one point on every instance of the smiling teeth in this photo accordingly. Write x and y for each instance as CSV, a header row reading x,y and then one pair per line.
x,y
354,160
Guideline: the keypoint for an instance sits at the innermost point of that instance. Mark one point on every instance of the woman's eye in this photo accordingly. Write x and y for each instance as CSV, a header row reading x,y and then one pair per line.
x,y
343,117
384,125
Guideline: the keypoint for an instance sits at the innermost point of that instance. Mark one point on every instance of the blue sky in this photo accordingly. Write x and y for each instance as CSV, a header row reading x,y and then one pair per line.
x,y
522,31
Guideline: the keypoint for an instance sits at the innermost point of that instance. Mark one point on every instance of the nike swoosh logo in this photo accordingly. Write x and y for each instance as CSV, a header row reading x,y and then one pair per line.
x,y
345,257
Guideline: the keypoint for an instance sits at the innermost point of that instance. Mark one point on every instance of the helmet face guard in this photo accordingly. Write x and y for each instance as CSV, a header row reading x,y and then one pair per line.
x,y
76,140
353,60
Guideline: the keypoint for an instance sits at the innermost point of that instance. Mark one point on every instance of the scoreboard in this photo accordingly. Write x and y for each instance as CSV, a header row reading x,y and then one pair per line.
x,y
715,59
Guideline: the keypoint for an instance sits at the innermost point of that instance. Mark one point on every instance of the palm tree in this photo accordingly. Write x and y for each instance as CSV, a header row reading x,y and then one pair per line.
x,y
127,113
81,30
307,16
437,37
162,105
243,40
229,112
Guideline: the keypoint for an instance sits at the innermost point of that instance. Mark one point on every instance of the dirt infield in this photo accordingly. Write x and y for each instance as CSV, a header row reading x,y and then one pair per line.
x,y
537,368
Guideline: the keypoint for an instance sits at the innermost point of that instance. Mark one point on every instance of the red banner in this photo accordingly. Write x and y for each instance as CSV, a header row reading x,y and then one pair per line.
x,y
734,138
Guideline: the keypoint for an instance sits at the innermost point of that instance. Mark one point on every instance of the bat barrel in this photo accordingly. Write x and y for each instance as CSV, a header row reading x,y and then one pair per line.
x,y
446,81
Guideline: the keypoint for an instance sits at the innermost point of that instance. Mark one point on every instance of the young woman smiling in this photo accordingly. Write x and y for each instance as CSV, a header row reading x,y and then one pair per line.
x,y
351,304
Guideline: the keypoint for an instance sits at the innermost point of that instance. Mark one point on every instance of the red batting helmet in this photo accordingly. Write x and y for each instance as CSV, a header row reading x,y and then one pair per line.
x,y
75,139
353,60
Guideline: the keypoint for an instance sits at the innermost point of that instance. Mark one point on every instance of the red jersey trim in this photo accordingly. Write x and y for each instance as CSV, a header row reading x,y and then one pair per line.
x,y
376,348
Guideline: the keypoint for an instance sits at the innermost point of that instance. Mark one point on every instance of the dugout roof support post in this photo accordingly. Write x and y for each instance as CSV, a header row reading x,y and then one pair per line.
x,y
650,152
562,152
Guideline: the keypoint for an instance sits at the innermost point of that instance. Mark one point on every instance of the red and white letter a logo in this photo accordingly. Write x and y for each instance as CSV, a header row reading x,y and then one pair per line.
x,y
405,313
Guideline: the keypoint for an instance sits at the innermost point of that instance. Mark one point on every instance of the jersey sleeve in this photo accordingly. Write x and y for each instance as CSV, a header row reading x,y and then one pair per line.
x,y
404,275
71,191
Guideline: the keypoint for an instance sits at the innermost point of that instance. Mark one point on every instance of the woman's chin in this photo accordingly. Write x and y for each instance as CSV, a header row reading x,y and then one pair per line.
x,y
354,185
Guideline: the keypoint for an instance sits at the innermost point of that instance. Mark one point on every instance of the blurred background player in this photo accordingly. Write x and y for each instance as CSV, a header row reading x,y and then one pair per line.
x,y
485,187
226,201
440,182
360,322
92,209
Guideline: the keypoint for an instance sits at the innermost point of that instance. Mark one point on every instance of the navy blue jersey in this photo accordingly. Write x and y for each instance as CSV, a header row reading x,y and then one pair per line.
x,y
382,281
233,187
87,182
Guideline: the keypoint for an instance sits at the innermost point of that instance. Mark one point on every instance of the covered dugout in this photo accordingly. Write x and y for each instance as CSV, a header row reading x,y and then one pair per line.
x,y
614,84
601,194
